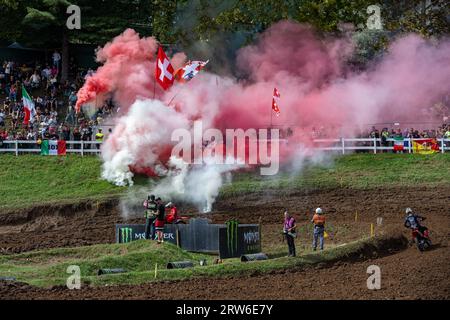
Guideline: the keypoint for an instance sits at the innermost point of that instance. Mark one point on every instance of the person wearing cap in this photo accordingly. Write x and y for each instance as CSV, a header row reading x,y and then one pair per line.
x,y
151,208
319,228
289,232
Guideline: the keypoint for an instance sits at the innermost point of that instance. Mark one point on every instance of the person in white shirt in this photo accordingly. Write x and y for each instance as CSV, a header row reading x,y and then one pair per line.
x,y
56,59
35,80
46,73
2,119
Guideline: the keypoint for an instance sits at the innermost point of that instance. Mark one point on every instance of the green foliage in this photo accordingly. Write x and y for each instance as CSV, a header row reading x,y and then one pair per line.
x,y
39,19
428,18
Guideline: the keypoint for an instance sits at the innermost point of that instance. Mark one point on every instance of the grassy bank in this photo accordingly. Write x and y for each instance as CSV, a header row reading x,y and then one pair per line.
x,y
28,180
357,171
48,267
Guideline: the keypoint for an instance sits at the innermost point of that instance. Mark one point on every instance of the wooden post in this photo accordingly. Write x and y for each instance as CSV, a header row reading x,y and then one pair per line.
x,y
343,145
374,145
356,216
372,232
17,147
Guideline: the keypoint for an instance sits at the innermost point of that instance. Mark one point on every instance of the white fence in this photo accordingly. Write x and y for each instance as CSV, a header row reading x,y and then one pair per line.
x,y
342,145
374,145
24,146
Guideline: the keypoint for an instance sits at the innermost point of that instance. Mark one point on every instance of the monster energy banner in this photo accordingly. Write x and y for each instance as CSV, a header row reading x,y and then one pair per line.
x,y
199,235
132,232
237,239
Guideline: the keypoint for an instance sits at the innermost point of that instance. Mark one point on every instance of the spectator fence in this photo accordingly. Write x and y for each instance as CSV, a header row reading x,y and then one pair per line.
x,y
345,145
341,145
29,146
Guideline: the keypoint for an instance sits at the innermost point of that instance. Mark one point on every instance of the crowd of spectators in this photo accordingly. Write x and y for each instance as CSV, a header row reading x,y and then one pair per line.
x,y
54,102
442,131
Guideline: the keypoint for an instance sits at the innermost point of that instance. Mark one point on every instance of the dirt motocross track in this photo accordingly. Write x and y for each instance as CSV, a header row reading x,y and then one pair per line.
x,y
406,274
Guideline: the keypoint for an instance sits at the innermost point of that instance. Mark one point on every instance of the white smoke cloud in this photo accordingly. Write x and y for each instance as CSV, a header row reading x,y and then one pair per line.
x,y
139,137
196,184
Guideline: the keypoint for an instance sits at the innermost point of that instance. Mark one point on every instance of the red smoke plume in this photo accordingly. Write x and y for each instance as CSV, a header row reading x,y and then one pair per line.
x,y
316,89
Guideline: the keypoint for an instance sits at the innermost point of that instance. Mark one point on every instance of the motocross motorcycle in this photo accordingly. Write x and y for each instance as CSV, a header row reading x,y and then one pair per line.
x,y
421,236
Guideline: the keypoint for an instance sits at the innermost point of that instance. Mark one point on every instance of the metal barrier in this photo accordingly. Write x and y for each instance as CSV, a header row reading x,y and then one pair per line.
x,y
342,145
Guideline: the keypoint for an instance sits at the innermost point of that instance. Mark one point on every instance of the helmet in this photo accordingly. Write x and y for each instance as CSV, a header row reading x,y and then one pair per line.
x,y
408,210
151,197
319,211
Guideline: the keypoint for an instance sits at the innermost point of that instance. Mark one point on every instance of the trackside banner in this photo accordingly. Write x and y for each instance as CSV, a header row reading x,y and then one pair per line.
x,y
53,147
237,239
132,232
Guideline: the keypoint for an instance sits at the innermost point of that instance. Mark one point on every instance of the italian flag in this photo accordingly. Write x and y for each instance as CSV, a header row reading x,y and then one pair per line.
x,y
53,147
28,107
398,144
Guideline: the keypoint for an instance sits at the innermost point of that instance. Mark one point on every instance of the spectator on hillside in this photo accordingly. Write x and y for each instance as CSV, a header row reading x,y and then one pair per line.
x,y
45,74
65,132
31,135
2,118
72,98
56,59
76,134
384,137
13,93
35,80
4,135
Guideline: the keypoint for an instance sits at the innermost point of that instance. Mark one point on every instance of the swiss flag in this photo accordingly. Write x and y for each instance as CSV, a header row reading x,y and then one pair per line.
x,y
164,70
276,95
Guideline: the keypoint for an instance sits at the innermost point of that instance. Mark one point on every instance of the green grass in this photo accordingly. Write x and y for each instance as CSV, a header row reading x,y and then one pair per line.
x,y
357,171
48,267
29,180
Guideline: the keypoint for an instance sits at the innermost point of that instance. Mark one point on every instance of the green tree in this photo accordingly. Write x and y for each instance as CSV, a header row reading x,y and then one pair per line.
x,y
42,23
50,16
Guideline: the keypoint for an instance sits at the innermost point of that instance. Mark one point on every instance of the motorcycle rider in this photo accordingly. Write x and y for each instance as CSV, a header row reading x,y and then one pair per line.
x,y
151,209
412,221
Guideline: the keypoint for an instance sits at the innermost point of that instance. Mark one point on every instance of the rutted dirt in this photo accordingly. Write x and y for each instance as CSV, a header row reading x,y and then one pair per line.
x,y
408,274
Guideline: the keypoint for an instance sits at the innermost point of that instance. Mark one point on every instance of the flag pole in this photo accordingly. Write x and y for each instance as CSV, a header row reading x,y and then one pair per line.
x,y
174,97
271,115
154,79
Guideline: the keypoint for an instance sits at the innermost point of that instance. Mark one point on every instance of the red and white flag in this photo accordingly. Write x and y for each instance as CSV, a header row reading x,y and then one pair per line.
x,y
276,96
164,70
276,93
189,70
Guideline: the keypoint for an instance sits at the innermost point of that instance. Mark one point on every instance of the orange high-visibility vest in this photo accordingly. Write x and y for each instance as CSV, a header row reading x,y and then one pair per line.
x,y
319,220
